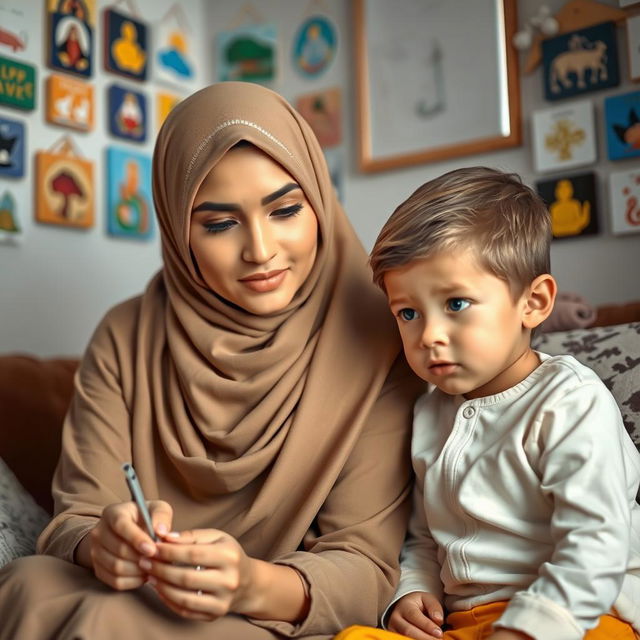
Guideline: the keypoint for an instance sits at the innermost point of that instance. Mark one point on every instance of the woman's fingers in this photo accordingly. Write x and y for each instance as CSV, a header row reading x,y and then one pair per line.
x,y
161,516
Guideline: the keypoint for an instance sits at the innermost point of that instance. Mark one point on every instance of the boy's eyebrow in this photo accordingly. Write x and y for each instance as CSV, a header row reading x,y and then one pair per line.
x,y
229,206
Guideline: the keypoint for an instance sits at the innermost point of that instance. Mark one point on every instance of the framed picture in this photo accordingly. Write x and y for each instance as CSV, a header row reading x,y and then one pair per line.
x,y
14,28
323,111
64,188
125,45
248,53
622,122
129,200
71,29
624,191
431,110
314,46
572,204
174,61
12,146
564,137
17,84
10,228
69,102
633,46
165,102
127,113
580,61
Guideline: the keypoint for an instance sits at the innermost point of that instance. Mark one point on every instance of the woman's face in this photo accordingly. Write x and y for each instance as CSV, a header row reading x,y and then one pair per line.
x,y
253,234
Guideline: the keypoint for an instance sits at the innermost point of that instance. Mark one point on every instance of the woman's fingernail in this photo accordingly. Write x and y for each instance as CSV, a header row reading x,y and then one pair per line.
x,y
145,564
173,534
162,528
152,581
147,549
437,633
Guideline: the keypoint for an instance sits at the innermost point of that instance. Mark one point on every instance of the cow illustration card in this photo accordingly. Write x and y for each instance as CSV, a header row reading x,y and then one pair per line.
x,y
624,190
12,146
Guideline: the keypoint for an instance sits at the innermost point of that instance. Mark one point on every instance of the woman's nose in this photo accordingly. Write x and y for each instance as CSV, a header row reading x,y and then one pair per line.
x,y
260,244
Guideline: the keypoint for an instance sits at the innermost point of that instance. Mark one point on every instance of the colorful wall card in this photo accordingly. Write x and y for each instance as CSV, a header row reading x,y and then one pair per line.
x,y
572,204
12,146
314,46
17,84
622,122
165,102
247,53
127,113
564,137
69,102
174,61
64,189
14,26
71,28
633,46
125,45
10,228
129,199
624,190
580,61
322,110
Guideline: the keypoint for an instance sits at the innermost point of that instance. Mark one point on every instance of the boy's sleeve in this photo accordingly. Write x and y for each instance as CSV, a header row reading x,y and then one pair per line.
x,y
590,475
419,566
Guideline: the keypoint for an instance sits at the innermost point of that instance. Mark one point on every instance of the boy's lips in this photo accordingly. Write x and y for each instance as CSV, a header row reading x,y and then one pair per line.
x,y
442,368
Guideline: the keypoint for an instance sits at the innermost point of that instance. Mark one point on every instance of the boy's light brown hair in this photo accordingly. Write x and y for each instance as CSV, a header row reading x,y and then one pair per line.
x,y
493,213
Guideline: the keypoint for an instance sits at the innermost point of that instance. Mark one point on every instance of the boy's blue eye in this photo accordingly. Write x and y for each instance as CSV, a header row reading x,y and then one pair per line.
x,y
407,314
457,304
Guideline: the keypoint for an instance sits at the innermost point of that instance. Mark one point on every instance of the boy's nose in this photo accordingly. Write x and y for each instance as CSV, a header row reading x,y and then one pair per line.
x,y
433,334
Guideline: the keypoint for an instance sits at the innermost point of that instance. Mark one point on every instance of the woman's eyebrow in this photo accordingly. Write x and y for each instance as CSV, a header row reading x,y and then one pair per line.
x,y
280,192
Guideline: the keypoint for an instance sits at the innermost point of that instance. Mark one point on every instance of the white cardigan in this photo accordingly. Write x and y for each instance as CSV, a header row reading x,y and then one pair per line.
x,y
529,496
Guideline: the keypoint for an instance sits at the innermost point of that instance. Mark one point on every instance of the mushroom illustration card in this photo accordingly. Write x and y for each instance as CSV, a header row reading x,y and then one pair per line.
x,y
624,190
580,61
564,137
125,45
71,29
12,146
129,199
572,203
64,189
69,102
127,113
622,121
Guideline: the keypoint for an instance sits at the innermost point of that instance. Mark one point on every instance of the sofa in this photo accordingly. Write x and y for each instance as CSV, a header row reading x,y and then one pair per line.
x,y
35,393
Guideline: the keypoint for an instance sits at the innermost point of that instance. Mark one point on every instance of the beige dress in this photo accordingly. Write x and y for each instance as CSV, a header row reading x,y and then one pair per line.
x,y
290,432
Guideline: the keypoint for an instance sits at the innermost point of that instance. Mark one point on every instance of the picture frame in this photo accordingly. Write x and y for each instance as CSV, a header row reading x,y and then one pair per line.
x,y
11,232
564,137
12,148
633,46
624,194
126,48
69,102
323,111
622,125
127,111
430,112
71,35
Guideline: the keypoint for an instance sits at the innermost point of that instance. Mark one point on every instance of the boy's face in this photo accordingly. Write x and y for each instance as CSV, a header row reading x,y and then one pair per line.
x,y
461,329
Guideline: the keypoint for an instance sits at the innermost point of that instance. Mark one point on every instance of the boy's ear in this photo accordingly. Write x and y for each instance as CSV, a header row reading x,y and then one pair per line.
x,y
538,301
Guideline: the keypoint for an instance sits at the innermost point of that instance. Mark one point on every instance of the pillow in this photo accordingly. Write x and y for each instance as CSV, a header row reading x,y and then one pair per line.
x,y
613,352
21,518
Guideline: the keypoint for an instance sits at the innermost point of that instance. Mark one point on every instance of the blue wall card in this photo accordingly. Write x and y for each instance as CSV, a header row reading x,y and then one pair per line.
x,y
70,44
127,113
580,61
125,45
129,199
314,46
12,145
622,122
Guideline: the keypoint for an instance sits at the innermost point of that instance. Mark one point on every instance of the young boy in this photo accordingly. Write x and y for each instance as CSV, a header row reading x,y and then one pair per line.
x,y
525,510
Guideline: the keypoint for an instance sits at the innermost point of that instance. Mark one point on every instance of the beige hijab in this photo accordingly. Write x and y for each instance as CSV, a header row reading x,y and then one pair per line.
x,y
244,422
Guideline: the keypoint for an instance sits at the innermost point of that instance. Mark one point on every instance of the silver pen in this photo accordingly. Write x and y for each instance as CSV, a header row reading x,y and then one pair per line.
x,y
138,497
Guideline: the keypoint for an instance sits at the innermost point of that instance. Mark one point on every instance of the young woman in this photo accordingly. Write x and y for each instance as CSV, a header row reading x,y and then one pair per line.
x,y
258,389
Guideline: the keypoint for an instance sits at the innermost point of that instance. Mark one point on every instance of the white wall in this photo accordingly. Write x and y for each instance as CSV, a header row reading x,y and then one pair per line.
x,y
56,286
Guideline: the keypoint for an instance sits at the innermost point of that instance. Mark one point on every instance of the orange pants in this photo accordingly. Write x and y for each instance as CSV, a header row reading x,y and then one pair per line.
x,y
476,624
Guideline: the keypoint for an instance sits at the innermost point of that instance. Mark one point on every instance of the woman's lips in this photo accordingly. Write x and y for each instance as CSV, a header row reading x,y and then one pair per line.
x,y
264,282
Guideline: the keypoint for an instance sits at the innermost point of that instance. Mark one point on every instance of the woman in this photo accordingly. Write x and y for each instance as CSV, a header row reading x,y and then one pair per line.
x,y
258,390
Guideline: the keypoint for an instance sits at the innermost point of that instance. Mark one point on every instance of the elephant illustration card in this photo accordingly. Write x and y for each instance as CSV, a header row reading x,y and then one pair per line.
x,y
580,61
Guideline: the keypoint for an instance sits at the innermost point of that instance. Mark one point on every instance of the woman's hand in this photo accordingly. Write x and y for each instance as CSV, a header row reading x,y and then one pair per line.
x,y
417,615
201,574
113,548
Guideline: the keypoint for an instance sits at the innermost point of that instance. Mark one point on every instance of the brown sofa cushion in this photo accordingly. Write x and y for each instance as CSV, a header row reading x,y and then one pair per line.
x,y
34,397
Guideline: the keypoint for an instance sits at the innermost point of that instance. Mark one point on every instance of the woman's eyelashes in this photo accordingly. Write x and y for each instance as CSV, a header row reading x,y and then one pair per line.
x,y
287,212
218,226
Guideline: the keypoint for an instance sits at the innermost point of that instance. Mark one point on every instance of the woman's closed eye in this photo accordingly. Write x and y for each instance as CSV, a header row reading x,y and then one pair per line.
x,y
287,212
457,304
219,226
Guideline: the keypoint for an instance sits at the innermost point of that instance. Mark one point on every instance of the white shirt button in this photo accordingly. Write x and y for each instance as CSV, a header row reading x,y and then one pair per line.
x,y
468,412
